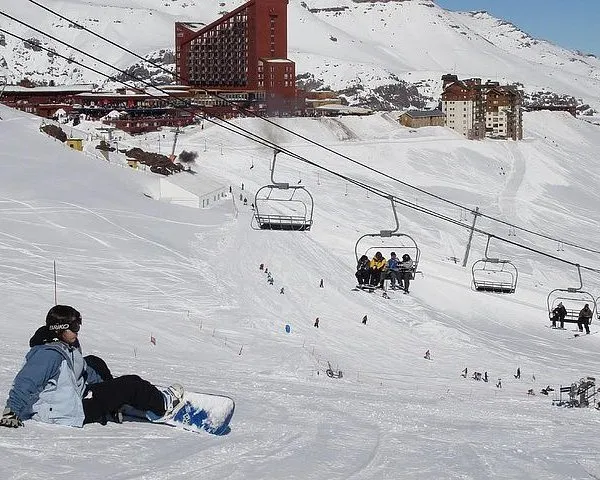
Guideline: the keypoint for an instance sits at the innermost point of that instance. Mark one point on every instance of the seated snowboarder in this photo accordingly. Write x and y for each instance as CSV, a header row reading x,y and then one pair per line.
x,y
56,385
558,315
363,270
585,315
377,265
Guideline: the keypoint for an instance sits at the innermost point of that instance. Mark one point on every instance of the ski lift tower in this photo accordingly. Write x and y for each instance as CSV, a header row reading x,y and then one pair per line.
x,y
3,82
176,131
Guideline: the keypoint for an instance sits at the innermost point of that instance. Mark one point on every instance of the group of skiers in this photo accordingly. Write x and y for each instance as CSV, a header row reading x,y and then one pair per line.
x,y
559,313
373,272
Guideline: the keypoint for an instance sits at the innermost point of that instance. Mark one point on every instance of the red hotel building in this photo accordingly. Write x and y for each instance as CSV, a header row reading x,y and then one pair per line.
x,y
241,56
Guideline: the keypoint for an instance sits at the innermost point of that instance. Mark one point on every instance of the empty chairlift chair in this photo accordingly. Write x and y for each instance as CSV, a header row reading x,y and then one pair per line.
x,y
281,206
493,274
573,299
390,241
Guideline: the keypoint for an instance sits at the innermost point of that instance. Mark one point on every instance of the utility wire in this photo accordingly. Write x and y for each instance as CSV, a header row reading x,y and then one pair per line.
x,y
313,142
256,138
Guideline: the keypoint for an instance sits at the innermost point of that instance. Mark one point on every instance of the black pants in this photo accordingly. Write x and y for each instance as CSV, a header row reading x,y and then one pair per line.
x,y
584,322
109,396
375,276
560,319
362,276
405,277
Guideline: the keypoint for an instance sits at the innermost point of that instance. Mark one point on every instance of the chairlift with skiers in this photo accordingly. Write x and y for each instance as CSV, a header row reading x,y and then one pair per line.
x,y
573,299
390,241
493,274
281,206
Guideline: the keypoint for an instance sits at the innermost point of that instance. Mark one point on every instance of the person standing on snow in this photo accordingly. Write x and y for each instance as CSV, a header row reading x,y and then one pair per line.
x,y
56,385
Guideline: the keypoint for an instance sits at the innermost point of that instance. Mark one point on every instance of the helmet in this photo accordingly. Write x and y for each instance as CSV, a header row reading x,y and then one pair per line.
x,y
406,257
63,317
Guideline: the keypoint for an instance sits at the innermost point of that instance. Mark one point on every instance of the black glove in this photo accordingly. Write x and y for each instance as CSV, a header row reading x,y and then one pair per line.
x,y
10,419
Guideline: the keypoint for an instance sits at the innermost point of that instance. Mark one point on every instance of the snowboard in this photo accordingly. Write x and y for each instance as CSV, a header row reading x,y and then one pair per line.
x,y
198,412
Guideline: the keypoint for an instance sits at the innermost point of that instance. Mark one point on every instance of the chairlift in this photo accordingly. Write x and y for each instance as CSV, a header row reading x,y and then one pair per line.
x,y
493,274
597,312
573,299
391,241
281,206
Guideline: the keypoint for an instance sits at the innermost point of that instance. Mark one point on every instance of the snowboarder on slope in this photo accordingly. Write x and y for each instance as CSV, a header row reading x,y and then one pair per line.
x,y
56,385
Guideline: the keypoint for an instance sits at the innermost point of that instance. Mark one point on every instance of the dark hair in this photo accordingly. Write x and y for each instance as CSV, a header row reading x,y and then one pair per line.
x,y
60,317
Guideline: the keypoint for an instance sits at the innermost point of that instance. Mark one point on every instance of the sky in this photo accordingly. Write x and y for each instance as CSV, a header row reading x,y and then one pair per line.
x,y
573,24
138,262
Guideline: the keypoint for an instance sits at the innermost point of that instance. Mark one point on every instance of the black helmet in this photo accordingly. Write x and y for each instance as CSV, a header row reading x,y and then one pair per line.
x,y
63,317
406,257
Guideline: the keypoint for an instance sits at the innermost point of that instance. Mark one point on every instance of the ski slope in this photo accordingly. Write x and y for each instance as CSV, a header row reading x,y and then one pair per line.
x,y
136,267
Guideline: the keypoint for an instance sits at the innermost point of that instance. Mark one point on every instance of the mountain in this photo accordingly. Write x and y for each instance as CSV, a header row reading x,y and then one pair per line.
x,y
371,51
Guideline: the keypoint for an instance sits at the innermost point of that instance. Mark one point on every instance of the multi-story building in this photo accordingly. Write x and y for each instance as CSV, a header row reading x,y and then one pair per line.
x,y
242,55
478,110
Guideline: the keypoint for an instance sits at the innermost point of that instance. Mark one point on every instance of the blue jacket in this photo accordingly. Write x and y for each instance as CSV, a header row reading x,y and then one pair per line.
x,y
51,385
393,264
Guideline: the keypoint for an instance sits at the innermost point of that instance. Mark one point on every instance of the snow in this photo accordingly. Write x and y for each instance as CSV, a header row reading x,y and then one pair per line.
x,y
190,277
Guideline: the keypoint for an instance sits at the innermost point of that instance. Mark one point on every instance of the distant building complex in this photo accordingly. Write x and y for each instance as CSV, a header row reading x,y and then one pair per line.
x,y
478,110
242,57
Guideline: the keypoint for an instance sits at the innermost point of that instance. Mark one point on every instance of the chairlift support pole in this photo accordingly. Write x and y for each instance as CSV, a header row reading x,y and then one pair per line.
x,y
282,185
466,259
389,233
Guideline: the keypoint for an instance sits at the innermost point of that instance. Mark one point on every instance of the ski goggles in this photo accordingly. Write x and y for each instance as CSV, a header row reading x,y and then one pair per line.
x,y
74,326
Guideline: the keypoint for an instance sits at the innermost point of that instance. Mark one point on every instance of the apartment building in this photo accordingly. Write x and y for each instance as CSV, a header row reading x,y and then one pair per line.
x,y
478,110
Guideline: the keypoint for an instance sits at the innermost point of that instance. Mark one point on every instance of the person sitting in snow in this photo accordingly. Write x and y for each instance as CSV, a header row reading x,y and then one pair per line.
x,y
57,385
363,270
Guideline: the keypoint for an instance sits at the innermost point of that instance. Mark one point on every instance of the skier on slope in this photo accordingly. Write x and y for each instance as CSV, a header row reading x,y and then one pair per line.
x,y
56,385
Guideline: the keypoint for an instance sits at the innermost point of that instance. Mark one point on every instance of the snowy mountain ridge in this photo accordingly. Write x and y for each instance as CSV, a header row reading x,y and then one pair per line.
x,y
347,45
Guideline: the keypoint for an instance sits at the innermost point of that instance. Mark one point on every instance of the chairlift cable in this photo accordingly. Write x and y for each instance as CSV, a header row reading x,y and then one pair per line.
x,y
313,142
256,138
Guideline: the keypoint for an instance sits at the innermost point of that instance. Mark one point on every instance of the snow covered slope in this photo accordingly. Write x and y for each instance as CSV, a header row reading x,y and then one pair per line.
x,y
344,44
189,277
